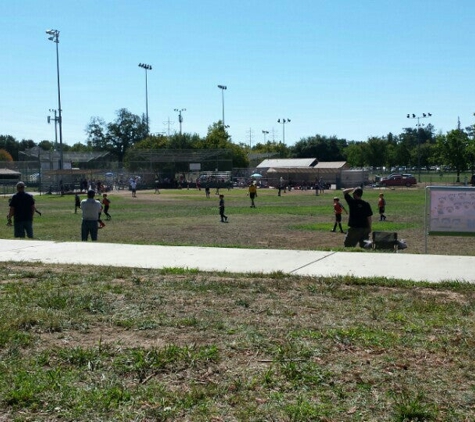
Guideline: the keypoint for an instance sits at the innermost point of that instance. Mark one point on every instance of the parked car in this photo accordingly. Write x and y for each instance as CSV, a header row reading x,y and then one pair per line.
x,y
398,180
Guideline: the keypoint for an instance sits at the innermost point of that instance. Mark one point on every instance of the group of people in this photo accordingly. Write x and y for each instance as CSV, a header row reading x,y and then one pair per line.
x,y
360,216
22,209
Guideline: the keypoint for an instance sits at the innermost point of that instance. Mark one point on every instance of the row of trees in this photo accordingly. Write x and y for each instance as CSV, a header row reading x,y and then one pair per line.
x,y
420,147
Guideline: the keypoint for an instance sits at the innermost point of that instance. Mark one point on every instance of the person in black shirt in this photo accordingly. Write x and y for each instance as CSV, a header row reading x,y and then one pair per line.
x,y
360,218
22,209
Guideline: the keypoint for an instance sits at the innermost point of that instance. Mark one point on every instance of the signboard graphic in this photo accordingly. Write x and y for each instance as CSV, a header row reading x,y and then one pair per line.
x,y
450,211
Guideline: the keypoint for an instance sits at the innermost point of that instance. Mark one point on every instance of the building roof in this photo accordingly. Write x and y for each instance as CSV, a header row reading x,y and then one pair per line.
x,y
8,172
332,165
322,167
288,162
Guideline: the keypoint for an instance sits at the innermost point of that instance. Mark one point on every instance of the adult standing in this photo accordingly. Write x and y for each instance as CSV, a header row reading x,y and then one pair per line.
x,y
360,218
90,208
22,209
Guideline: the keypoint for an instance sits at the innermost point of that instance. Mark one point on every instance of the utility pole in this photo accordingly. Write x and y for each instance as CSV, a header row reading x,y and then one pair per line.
x,y
168,123
180,117
249,132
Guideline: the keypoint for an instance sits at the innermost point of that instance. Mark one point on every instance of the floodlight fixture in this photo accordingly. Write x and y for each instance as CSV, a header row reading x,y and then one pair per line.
x,y
55,38
418,125
146,67
222,88
283,122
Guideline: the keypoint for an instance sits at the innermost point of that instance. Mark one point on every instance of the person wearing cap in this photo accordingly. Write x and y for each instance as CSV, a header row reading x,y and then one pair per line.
x,y
90,208
360,218
22,210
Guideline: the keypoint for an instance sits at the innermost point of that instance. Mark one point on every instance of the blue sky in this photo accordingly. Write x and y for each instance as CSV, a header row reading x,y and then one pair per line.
x,y
348,68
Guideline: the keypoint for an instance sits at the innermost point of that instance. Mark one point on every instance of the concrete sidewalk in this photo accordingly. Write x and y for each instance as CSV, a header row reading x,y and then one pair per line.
x,y
432,268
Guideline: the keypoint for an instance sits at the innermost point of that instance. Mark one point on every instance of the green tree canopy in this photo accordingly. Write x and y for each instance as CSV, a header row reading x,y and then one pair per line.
x,y
320,147
5,155
118,136
453,149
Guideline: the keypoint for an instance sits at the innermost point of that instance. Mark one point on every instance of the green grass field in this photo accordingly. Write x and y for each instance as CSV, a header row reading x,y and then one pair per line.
x,y
296,220
122,344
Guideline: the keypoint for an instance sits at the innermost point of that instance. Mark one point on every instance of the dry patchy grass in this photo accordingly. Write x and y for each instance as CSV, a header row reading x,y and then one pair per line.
x,y
125,344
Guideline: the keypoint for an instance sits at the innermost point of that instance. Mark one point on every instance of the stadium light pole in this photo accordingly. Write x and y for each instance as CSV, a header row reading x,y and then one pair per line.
x,y
283,122
54,36
180,117
418,125
222,88
146,67
265,132
55,119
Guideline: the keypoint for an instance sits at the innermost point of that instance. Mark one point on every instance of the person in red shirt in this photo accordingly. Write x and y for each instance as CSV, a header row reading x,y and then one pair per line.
x,y
106,204
338,210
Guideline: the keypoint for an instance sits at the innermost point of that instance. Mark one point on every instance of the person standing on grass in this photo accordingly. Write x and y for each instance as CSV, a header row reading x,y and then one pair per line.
x,y
77,203
106,204
253,193
207,190
224,219
360,218
91,209
338,209
22,209
381,207
133,188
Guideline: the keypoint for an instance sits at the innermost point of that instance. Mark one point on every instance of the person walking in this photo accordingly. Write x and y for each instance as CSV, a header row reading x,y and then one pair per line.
x,y
91,208
338,209
106,204
224,218
381,207
360,218
253,193
22,209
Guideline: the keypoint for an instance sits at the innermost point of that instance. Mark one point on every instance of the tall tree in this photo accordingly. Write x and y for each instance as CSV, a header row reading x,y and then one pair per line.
x,y
219,138
453,150
376,152
117,136
354,154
